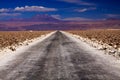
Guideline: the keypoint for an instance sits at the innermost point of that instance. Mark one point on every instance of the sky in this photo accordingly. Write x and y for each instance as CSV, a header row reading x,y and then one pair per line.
x,y
61,9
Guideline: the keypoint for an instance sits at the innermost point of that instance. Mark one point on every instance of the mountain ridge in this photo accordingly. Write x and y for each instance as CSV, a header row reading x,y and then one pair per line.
x,y
36,18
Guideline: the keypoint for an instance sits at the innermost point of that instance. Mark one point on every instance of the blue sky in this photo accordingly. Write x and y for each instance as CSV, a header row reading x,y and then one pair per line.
x,y
61,9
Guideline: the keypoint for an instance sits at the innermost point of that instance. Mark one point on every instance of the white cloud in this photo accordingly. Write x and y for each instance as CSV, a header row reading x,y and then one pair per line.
x,y
80,2
56,16
28,8
35,9
113,15
4,10
9,14
85,9
82,10
77,19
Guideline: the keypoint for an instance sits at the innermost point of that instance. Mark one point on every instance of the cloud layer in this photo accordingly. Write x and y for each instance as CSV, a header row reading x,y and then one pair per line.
x,y
79,2
29,9
77,19
4,10
35,9
57,16
112,15
9,14
86,9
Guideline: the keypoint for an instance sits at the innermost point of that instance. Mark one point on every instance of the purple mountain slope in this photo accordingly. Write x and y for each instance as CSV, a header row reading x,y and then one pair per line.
x,y
37,18
46,22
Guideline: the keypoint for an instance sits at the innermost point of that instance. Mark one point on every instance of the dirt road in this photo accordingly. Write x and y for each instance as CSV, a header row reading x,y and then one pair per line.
x,y
58,57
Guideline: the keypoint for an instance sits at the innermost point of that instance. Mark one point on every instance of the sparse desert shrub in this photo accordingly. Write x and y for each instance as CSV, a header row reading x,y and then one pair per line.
x,y
110,37
9,38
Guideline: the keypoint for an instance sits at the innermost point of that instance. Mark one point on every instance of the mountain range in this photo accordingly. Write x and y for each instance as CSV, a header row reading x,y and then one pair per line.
x,y
37,18
46,22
